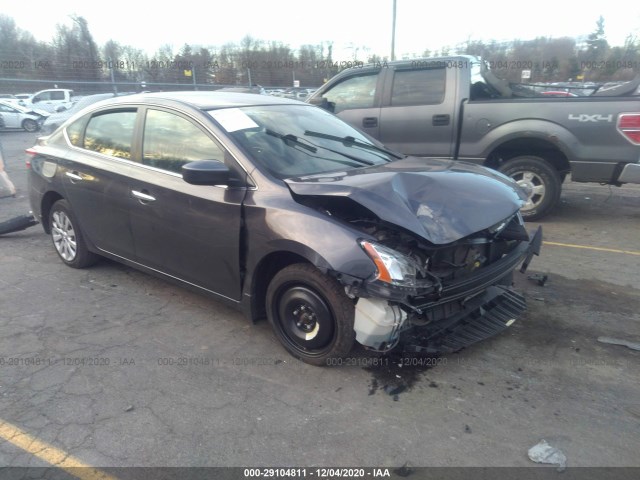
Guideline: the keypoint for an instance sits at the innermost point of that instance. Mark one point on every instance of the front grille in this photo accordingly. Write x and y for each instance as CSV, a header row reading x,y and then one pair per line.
x,y
483,322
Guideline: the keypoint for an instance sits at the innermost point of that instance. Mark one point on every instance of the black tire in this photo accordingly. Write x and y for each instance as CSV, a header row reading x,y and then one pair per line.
x,y
30,125
310,314
17,224
67,237
540,179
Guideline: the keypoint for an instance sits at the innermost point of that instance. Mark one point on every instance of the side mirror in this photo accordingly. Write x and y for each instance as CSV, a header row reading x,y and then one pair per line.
x,y
206,172
322,102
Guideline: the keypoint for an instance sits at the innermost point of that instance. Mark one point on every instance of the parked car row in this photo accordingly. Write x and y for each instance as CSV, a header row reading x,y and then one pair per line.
x,y
297,93
50,100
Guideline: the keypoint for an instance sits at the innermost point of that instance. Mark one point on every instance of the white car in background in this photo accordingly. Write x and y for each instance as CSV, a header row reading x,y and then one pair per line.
x,y
54,120
13,115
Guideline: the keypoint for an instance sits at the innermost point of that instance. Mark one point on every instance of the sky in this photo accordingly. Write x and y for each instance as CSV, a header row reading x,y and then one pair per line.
x,y
356,27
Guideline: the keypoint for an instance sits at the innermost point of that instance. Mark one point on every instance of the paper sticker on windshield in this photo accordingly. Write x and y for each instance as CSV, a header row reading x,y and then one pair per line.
x,y
233,119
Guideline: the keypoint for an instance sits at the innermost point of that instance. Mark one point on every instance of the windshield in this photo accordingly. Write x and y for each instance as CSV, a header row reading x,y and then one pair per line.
x,y
299,140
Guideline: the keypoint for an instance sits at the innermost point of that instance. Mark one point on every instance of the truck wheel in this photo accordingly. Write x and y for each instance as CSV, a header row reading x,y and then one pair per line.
x,y
539,179
310,314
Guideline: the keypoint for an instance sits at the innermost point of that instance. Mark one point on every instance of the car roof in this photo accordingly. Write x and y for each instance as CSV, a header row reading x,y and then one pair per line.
x,y
207,100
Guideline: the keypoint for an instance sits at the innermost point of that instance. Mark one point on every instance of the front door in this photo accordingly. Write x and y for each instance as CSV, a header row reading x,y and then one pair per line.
x,y
189,232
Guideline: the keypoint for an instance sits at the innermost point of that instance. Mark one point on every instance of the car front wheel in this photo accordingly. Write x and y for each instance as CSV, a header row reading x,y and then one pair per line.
x,y
30,125
310,314
67,237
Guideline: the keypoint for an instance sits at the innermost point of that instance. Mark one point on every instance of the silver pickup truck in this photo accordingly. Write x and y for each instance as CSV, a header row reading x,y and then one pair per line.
x,y
455,107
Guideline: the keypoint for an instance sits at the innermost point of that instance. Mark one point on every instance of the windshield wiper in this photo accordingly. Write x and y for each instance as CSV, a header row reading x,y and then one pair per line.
x,y
291,138
313,148
351,141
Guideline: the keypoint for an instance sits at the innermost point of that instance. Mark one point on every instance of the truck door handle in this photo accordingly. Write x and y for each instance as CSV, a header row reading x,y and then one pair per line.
x,y
369,122
142,196
74,176
440,120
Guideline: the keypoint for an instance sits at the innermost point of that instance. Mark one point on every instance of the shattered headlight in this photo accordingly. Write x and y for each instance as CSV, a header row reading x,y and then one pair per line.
x,y
393,267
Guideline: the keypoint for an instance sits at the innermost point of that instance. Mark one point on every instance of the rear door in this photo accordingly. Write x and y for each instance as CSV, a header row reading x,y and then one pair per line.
x,y
189,232
94,173
417,114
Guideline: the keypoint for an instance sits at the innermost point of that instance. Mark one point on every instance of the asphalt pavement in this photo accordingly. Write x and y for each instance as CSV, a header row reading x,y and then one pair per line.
x,y
117,368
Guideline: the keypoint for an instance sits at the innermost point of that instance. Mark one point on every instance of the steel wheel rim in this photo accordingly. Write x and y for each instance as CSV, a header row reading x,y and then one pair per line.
x,y
64,236
304,319
533,185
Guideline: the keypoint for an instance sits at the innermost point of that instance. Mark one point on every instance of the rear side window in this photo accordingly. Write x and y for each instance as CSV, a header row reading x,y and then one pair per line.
x,y
354,92
170,141
75,130
418,87
110,134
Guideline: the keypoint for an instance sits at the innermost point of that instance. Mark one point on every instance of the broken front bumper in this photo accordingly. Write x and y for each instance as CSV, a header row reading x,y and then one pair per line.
x,y
495,311
453,316
473,310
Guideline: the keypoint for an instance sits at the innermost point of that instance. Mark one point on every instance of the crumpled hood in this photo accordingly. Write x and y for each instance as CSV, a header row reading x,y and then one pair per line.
x,y
439,200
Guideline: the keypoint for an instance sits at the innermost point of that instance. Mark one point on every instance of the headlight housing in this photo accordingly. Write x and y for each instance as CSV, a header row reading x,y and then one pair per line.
x,y
393,267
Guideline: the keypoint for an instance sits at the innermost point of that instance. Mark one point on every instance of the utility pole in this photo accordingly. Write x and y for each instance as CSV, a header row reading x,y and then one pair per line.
x,y
393,33
113,81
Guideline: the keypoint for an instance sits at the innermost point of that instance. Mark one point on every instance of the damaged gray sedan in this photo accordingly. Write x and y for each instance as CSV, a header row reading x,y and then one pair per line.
x,y
283,210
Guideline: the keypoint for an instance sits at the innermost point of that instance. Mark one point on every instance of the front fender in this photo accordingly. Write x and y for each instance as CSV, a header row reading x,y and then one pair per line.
x,y
326,242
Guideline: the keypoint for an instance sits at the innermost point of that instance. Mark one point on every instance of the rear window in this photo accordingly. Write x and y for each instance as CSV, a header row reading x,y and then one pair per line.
x,y
111,133
418,87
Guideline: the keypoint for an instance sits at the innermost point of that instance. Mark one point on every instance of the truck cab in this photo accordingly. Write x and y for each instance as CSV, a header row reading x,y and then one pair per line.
x,y
53,100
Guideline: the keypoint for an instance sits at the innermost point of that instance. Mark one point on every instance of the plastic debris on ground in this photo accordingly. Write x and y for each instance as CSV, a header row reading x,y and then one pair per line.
x,y
621,342
542,452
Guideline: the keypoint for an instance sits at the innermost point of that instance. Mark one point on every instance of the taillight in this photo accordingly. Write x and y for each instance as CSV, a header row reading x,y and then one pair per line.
x,y
629,126
30,154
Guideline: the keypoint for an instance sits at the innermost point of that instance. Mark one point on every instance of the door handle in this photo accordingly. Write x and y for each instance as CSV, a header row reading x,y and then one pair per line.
x,y
74,176
370,122
143,197
440,120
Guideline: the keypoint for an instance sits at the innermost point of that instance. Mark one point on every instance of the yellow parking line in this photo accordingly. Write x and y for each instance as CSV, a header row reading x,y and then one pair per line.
x,y
50,454
599,249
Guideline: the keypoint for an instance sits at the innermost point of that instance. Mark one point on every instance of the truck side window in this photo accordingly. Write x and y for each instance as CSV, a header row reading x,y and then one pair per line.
x,y
42,97
354,92
418,87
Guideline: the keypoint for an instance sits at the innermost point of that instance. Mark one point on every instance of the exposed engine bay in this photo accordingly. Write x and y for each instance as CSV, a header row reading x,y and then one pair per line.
x,y
461,292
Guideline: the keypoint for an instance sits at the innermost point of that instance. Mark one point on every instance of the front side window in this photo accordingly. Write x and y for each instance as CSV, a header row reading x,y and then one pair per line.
x,y
57,95
418,87
41,97
354,92
170,141
110,133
